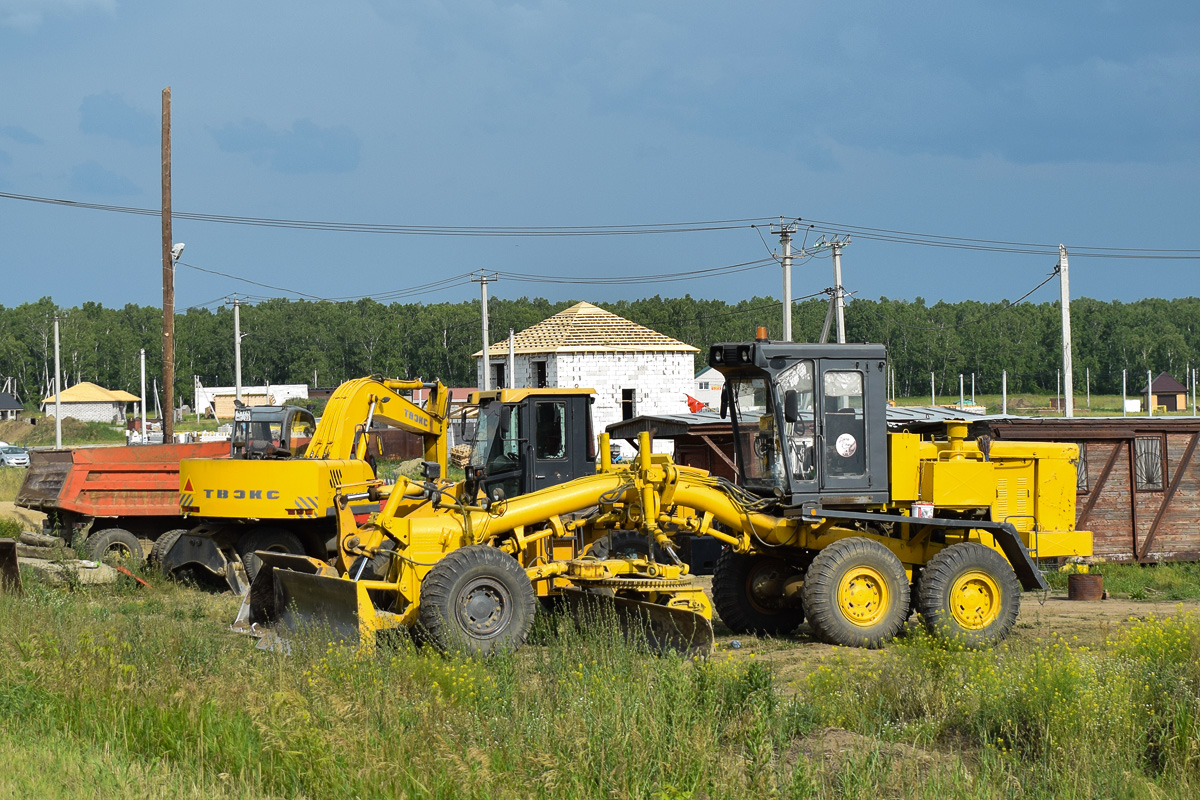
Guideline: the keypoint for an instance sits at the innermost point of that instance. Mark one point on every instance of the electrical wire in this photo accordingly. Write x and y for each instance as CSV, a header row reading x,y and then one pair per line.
x,y
1005,307
413,230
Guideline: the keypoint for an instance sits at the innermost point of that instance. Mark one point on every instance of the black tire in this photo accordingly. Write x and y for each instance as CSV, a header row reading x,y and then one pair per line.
x,y
739,580
969,591
477,599
115,544
163,545
276,540
624,544
856,593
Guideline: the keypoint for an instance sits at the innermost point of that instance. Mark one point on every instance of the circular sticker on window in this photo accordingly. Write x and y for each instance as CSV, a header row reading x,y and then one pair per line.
x,y
845,445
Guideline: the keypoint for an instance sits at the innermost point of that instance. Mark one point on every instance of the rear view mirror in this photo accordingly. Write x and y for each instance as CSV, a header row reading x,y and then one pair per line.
x,y
791,406
724,401
505,421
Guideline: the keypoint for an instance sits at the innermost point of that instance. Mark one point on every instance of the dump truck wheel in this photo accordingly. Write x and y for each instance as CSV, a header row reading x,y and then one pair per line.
x,y
969,591
477,599
115,543
856,593
748,594
162,546
276,540
624,544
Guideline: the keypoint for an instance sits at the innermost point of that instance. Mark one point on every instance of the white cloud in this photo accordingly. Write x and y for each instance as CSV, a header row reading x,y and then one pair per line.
x,y
28,15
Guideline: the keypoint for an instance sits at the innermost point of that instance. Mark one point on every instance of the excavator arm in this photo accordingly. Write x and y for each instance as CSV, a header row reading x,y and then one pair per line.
x,y
357,404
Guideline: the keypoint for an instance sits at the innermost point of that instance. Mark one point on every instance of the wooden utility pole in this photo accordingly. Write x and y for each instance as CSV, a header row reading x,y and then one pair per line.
x,y
168,266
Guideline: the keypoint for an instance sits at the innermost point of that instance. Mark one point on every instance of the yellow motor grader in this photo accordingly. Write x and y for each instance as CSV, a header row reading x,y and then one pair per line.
x,y
832,519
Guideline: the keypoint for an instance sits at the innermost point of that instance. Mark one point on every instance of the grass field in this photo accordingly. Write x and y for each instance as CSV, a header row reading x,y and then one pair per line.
x,y
125,692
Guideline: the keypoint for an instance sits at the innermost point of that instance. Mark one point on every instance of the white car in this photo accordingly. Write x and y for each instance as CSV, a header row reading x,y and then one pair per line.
x,y
13,456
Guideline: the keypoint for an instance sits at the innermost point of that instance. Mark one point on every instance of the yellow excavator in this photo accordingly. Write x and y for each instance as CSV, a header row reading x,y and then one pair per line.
x,y
274,496
832,520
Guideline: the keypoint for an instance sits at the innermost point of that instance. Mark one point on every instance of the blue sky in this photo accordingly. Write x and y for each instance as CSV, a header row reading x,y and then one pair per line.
x,y
1020,122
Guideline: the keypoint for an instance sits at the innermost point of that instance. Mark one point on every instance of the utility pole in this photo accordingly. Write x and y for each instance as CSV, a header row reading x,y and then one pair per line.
x,y
144,431
839,293
168,265
785,231
1149,393
1124,408
1004,393
932,391
237,347
57,391
1064,291
483,279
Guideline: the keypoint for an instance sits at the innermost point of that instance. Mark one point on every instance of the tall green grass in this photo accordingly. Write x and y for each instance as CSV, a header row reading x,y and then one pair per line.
x,y
140,693
1168,581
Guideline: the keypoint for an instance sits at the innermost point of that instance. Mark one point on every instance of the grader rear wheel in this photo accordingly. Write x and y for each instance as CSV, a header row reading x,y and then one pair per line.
x,y
856,593
477,599
969,591
748,594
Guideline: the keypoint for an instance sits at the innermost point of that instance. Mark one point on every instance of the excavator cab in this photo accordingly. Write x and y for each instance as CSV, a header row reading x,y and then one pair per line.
x,y
529,439
270,432
809,420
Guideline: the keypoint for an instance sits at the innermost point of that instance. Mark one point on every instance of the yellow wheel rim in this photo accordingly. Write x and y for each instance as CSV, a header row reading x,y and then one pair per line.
x,y
863,596
975,600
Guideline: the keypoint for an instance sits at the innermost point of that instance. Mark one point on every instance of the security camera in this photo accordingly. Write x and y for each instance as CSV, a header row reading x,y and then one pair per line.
x,y
177,251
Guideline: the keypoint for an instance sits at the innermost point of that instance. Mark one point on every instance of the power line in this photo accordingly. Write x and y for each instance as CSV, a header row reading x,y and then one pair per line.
x,y
412,230
1005,307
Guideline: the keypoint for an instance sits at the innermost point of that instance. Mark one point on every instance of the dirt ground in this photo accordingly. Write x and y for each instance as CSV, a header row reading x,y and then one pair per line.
x,y
30,520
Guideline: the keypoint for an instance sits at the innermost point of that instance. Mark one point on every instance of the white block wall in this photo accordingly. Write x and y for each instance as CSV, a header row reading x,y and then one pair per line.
x,y
88,412
661,382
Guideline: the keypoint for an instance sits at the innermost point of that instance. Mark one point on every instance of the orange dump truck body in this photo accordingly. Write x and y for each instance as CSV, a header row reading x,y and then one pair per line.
x,y
137,488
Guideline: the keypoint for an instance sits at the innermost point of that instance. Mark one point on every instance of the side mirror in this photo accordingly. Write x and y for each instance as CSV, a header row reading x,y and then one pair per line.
x,y
505,422
725,401
791,406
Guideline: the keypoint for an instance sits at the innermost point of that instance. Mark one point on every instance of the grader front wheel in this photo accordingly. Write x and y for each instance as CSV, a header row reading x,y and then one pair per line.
x,y
477,599
856,593
969,591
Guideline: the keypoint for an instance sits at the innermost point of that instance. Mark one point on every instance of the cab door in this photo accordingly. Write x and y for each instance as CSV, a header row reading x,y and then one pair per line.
x,y
845,432
548,448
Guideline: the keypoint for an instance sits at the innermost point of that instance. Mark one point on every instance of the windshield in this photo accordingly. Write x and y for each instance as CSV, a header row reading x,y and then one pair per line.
x,y
753,407
799,436
497,446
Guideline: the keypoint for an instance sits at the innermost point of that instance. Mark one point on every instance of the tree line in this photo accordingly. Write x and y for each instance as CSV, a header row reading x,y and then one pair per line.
x,y
300,341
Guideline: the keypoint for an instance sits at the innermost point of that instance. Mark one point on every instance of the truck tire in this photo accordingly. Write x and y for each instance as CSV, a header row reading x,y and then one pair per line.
x,y
163,545
739,581
477,599
969,591
114,543
856,593
276,540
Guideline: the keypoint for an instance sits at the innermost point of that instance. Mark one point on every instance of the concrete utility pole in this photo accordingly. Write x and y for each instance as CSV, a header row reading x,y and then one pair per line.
x,y
1004,393
143,358
932,391
483,279
237,347
512,359
1124,410
785,231
1149,393
57,391
840,295
1064,291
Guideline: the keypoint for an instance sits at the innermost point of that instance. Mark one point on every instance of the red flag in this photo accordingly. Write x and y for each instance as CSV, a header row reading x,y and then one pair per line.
x,y
694,405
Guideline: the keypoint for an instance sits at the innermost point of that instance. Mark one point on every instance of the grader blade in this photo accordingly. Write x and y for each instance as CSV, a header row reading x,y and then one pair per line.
x,y
259,611
664,629
319,603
